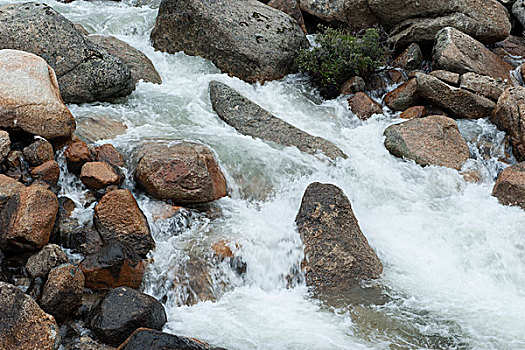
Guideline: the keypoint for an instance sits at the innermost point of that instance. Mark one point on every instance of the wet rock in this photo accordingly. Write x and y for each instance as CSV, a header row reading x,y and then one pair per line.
x,y
290,7
471,176
353,85
459,102
51,256
395,76
151,339
94,128
5,274
77,154
457,52
249,40
414,112
118,217
108,154
364,106
35,288
115,265
433,140
49,172
85,71
5,145
27,219
98,175
337,252
62,292
410,59
509,116
39,152
447,77
510,186
250,119
138,63
123,311
405,96
483,85
29,95
24,326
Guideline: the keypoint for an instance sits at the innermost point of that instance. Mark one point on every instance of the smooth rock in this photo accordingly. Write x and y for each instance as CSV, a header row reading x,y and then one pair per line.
x,y
144,338
97,175
352,13
51,256
414,112
8,188
510,186
78,154
403,97
509,116
94,128
364,106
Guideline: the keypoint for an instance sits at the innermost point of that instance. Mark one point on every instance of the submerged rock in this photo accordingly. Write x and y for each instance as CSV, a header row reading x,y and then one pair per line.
x,y
94,128
250,119
509,116
246,39
151,339
510,186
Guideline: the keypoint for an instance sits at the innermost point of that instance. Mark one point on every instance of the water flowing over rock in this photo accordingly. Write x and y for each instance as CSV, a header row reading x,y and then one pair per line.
x,y
246,39
510,186
250,119
23,324
94,128
85,71
337,252
509,116
39,264
29,96
433,140
151,339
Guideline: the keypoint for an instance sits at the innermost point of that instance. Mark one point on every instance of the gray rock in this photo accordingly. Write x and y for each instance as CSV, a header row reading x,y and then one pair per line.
x,y
446,76
246,39
509,116
5,145
39,264
39,152
352,13
518,10
250,119
483,85
85,71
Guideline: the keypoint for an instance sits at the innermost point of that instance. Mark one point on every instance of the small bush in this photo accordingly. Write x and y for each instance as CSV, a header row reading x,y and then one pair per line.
x,y
339,55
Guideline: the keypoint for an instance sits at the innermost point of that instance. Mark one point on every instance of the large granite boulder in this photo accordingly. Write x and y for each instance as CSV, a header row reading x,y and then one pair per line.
x,y
246,39
85,71
250,119
290,7
510,186
352,13
509,116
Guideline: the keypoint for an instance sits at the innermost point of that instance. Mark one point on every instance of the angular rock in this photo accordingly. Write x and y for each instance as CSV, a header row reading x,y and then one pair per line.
x,y
518,10
461,103
39,152
49,172
51,256
8,188
457,52
108,154
115,265
97,175
447,77
353,85
290,7
123,311
138,63
151,339
29,95
246,39
337,253
353,13
414,112
483,85
410,59
405,96
250,119
509,116
433,140
364,106
23,324
118,217
5,145
62,292
510,186
85,71
77,154
94,128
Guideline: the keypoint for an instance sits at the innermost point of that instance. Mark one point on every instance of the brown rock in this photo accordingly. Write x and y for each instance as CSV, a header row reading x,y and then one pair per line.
x,y
410,59
447,77
8,189
352,13
98,175
433,140
404,96
39,152
94,128
509,116
49,172
118,217
77,155
51,256
514,45
108,154
471,176
363,106
291,7
396,76
353,85
222,250
414,112
5,144
510,186
483,85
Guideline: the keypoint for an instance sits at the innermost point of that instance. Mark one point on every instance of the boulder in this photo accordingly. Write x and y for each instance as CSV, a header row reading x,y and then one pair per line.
x,y
139,64
85,71
23,324
459,102
151,339
94,128
246,39
62,292
29,95
77,154
518,10
250,119
403,97
363,106
446,76
5,145
433,140
337,253
118,217
122,311
457,52
290,7
483,85
509,116
8,189
410,59
39,264
419,21
49,172
114,265
108,154
39,152
97,175
510,186
352,13
414,112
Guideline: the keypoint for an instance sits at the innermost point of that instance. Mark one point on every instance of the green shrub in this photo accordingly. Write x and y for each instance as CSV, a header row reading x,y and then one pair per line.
x,y
339,55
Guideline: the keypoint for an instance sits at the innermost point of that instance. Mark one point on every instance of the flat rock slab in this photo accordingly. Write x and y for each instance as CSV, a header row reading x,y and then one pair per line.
x,y
250,119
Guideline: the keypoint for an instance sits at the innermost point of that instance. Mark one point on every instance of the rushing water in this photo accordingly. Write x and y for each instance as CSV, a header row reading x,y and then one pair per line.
x,y
454,258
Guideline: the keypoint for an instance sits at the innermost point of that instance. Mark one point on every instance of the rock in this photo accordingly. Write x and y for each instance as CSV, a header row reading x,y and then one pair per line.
x,y
77,154
249,40
222,250
139,64
185,173
27,219
363,106
337,253
39,152
518,10
410,59
353,85
290,7
509,116
471,176
459,53
94,128
513,45
405,96
395,76
39,264
461,103
108,154
115,265
123,311
24,326
85,71
5,274
447,77
510,186
5,145
98,175
485,20
49,172
353,13
151,339
29,95
433,140
62,292
414,112
118,217
250,119
8,189
482,85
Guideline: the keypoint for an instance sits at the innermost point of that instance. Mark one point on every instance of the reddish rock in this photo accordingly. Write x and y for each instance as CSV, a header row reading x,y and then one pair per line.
x,y
395,76
410,59
8,188
97,175
222,250
363,106
403,97
353,85
77,155
108,154
510,186
509,116
39,152
414,112
49,172
291,7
